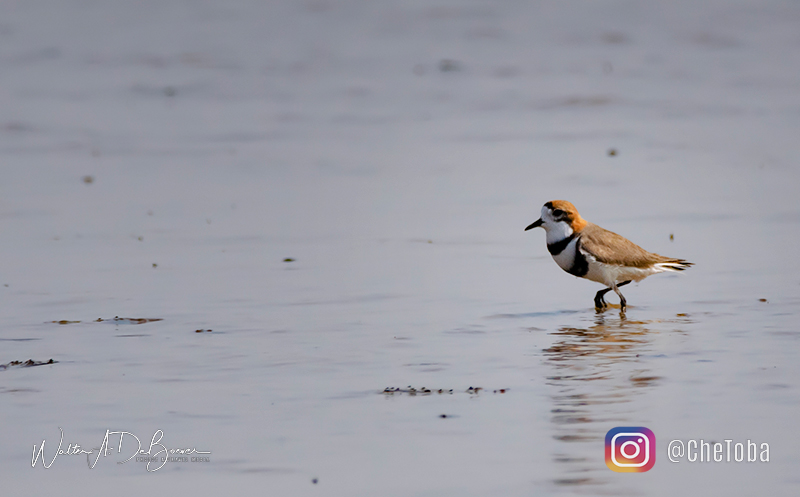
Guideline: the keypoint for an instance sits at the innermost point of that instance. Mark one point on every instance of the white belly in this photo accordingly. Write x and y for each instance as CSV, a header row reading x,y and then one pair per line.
x,y
610,275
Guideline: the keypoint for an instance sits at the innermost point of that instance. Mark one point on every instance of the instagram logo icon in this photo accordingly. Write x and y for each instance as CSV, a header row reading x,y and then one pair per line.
x,y
630,449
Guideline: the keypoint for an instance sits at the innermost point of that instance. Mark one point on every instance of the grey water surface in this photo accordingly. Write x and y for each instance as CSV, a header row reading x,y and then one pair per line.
x,y
338,192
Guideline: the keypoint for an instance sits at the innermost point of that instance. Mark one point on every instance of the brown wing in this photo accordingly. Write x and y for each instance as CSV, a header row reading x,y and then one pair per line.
x,y
610,248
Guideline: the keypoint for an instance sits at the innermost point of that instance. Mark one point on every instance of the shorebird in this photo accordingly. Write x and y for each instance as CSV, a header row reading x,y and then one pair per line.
x,y
588,251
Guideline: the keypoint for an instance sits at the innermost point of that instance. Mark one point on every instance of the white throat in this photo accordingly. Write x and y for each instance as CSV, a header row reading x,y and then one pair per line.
x,y
558,231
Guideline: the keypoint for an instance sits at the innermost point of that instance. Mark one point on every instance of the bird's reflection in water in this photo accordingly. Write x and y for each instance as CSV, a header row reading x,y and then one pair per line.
x,y
596,371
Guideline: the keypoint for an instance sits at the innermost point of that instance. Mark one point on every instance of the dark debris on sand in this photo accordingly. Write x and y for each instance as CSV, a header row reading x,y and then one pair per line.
x,y
118,319
411,391
115,319
26,364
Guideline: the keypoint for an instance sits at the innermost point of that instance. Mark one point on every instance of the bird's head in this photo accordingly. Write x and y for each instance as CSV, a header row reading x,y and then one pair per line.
x,y
559,217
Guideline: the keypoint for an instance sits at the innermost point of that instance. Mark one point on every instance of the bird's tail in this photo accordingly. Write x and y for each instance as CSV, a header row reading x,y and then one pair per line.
x,y
675,265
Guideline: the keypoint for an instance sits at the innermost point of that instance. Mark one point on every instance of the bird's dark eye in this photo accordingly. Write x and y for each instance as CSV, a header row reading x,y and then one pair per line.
x,y
558,213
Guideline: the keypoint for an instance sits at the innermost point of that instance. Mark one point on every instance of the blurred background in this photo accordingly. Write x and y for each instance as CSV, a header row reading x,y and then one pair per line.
x,y
338,191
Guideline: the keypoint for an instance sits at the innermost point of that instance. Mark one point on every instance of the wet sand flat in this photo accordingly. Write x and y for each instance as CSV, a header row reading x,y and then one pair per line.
x,y
240,223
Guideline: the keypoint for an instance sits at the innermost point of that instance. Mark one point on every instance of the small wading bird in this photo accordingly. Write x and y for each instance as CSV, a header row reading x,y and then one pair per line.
x,y
588,251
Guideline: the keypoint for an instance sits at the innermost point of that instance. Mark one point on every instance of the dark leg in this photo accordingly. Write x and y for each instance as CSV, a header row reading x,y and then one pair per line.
x,y
599,302
622,301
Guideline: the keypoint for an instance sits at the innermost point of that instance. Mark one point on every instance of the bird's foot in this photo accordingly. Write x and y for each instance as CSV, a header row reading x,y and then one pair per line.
x,y
599,301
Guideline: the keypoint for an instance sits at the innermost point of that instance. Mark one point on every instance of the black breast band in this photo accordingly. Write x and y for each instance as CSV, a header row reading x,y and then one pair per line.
x,y
558,247
580,266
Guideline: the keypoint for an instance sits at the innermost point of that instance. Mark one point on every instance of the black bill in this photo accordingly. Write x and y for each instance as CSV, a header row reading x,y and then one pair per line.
x,y
535,224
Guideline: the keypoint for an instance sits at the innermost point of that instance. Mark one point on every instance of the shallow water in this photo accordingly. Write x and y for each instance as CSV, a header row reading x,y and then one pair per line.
x,y
162,161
